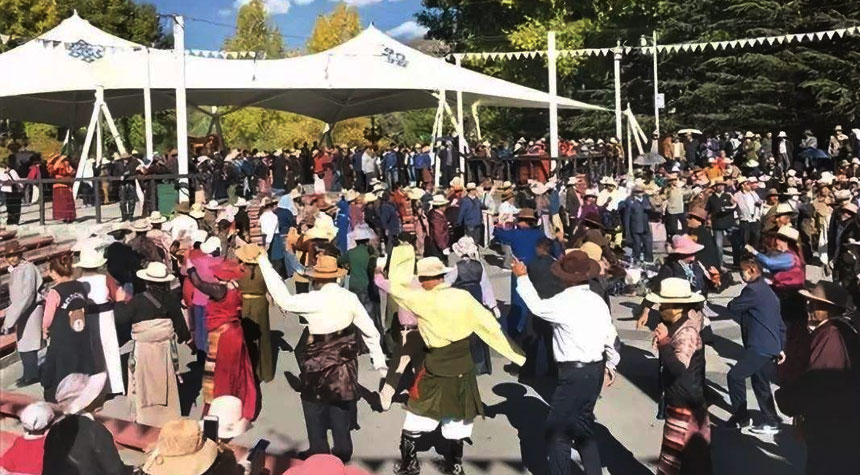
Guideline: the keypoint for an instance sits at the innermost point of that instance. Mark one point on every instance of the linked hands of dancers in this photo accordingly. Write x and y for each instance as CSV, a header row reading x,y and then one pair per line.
x,y
518,268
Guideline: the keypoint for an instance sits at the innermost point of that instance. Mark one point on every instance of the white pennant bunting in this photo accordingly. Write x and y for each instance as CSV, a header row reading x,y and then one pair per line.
x,y
819,35
829,34
840,32
770,40
4,39
782,39
851,31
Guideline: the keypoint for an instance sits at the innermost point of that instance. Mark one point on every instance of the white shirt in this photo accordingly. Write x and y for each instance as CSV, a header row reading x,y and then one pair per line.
x,y
268,226
181,227
9,175
368,163
327,310
582,328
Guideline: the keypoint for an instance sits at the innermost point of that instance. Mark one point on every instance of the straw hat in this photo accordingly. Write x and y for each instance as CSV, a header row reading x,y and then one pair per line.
x,y
684,245
789,233
849,207
197,211
155,272
471,186
181,449
438,200
431,267
350,195
465,247
506,195
362,233
213,205
37,416
772,192
198,235
211,245
592,250
698,213
827,292
241,202
325,268
370,198
228,410
91,259
791,192
784,208
526,214
140,226
77,391
323,229
591,192
717,181
157,218
416,194
506,186
675,290
249,253
575,268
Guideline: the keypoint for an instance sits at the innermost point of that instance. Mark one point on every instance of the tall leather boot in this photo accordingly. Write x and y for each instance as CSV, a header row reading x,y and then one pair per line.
x,y
408,464
454,458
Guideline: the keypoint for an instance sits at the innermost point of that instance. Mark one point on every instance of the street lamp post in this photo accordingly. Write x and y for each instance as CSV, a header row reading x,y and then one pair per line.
x,y
644,43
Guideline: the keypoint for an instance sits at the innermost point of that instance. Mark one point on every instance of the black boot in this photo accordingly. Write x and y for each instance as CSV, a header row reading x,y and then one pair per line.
x,y
408,464
454,458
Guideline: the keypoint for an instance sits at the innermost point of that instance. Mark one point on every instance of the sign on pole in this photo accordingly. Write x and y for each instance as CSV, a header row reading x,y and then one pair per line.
x,y
661,101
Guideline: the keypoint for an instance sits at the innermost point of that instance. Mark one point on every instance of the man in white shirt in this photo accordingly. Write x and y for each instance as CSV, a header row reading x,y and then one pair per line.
x,y
368,166
13,192
268,223
749,210
328,351
583,345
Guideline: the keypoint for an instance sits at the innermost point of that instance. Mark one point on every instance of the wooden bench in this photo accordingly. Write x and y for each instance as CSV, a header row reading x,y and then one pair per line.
x,y
27,243
6,234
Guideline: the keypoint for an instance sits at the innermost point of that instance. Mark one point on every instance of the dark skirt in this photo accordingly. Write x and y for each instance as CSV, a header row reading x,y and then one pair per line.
x,y
329,366
447,387
64,203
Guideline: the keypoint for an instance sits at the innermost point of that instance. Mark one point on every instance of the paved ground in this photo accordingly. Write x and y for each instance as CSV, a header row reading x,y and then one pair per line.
x,y
511,440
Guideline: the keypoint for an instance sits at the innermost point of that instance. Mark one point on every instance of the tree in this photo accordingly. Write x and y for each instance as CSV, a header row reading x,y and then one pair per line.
x,y
338,27
256,32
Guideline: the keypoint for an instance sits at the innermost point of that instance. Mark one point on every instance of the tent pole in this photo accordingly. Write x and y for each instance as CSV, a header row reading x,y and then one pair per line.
x,y
462,142
440,113
218,131
618,90
477,120
147,110
88,141
629,145
553,102
181,111
112,126
99,142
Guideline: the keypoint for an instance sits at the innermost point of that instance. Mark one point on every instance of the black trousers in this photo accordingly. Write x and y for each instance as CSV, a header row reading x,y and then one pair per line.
x,y
127,199
571,418
30,362
674,224
760,369
13,206
320,417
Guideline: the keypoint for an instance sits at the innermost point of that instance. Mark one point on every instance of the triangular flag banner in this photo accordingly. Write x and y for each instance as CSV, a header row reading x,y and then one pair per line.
x,y
829,34
819,35
770,40
851,30
781,39
604,52
4,39
232,55
840,32
734,43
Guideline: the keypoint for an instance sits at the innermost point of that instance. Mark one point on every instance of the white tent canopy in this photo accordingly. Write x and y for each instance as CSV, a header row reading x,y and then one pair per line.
x,y
57,73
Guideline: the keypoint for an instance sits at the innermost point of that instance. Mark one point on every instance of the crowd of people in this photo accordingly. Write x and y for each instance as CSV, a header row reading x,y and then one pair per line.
x,y
372,258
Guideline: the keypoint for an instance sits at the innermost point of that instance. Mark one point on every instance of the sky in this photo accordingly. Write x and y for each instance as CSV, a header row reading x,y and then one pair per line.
x,y
295,18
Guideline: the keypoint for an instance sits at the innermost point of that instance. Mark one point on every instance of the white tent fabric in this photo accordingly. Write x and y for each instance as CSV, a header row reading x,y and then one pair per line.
x,y
370,74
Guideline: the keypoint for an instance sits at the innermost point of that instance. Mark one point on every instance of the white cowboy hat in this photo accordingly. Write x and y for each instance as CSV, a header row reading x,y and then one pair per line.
x,y
197,211
675,290
240,202
323,228
198,235
789,232
141,226
465,247
782,134
155,272
77,391
211,245
431,267
362,232
91,259
213,205
228,410
416,194
156,217
37,416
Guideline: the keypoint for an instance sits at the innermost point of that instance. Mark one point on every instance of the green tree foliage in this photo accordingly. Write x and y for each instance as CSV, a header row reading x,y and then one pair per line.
x,y
811,85
256,32
338,27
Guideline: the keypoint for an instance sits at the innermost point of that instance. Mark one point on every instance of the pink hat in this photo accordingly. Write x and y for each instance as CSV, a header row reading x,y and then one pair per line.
x,y
323,464
685,245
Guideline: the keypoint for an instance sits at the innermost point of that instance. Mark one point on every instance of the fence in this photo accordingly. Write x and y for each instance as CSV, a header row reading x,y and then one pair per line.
x,y
160,192
595,165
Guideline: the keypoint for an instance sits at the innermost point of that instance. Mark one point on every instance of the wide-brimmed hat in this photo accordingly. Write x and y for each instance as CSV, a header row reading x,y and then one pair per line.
x,y
526,214
575,268
431,267
506,195
782,134
699,213
438,200
788,232
156,217
198,235
592,250
675,290
181,449
14,248
505,186
827,292
228,410
772,192
325,205
213,205
91,259
370,197
849,207
416,194
249,253
592,219
784,208
362,232
320,464
197,211
77,391
210,245
538,188
749,135
791,191
240,202
155,272
717,181
465,246
684,245
591,192
37,416
141,226
323,228
471,186
325,268
350,195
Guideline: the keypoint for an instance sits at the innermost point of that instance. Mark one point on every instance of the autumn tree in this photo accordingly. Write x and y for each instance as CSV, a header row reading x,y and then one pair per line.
x,y
338,27
256,32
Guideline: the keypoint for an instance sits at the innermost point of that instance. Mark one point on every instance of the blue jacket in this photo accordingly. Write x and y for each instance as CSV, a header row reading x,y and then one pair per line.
x,y
389,161
470,212
757,309
636,216
389,218
522,241
421,161
341,221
